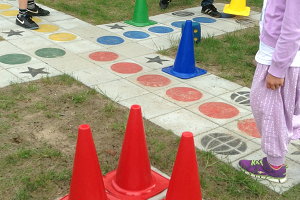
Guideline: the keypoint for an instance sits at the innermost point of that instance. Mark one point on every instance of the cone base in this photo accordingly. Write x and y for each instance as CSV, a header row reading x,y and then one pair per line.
x,y
169,70
160,185
140,24
109,197
227,10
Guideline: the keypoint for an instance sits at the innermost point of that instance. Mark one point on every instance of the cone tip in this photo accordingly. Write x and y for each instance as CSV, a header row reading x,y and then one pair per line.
x,y
187,134
136,107
84,127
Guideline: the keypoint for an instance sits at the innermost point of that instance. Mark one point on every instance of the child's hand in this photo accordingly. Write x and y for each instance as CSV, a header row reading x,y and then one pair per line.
x,y
274,82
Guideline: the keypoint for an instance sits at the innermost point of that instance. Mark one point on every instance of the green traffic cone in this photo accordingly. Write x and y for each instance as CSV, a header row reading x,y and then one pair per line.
x,y
140,15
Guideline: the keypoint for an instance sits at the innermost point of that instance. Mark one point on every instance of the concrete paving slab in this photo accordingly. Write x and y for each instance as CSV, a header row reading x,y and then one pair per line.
x,y
94,76
213,84
154,61
218,111
126,68
70,64
29,42
34,71
7,78
72,23
131,49
153,81
120,89
183,95
225,145
81,46
240,97
152,105
183,120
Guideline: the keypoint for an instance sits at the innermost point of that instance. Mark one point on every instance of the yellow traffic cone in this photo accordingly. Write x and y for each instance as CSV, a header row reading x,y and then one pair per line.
x,y
237,7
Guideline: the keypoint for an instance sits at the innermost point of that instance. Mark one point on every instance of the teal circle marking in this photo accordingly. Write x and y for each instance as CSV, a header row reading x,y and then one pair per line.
x,y
50,52
14,59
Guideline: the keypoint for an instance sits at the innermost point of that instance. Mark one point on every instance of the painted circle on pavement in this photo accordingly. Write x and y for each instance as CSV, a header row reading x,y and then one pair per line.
x,y
160,29
249,126
36,19
184,94
104,56
153,80
136,34
204,20
110,40
126,68
5,6
50,52
62,36
10,13
218,110
178,24
14,59
46,28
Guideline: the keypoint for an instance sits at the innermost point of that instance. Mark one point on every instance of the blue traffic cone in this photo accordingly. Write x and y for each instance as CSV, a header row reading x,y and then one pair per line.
x,y
185,66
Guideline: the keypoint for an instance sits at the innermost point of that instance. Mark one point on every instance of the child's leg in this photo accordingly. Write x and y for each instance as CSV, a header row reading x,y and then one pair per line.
x,y
274,111
23,4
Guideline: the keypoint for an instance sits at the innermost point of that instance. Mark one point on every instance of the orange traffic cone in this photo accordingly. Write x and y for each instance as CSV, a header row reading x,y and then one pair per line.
x,y
237,7
185,182
134,178
87,180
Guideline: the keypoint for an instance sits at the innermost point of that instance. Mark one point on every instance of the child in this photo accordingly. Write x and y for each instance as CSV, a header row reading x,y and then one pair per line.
x,y
207,7
275,91
27,9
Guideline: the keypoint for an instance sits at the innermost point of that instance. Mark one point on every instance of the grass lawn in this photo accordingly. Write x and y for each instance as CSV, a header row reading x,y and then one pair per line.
x,y
39,120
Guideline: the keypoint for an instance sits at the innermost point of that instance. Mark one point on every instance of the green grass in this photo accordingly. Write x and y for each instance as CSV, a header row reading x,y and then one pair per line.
x,y
1,39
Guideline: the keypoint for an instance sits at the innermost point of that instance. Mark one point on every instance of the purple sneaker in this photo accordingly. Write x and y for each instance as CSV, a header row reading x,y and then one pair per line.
x,y
262,169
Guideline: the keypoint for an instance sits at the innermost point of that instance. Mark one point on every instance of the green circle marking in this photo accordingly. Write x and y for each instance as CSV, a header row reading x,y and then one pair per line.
x,y
50,52
14,59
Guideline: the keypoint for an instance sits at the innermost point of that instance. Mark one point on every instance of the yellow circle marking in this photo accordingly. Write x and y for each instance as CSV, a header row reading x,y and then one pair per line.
x,y
62,37
36,19
5,6
46,28
10,13
195,39
195,31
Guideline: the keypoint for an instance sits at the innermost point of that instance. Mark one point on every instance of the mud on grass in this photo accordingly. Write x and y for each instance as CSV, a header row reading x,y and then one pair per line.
x,y
38,129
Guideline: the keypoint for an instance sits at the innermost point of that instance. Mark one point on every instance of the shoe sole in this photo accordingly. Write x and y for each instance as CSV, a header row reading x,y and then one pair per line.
x,y
31,28
282,180
211,15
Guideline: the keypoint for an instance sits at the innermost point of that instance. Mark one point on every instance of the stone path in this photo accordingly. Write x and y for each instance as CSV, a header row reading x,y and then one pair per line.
x,y
120,61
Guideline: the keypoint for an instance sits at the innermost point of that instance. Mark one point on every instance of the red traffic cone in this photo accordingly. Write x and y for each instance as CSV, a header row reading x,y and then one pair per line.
x,y
134,178
185,182
87,180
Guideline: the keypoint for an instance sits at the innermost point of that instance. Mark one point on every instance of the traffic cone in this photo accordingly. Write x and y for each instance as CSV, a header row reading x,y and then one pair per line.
x,y
140,15
237,7
185,66
87,181
134,178
185,182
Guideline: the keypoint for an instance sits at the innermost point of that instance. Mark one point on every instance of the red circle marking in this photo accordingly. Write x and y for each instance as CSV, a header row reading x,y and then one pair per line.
x,y
218,110
184,94
153,80
126,68
103,56
248,126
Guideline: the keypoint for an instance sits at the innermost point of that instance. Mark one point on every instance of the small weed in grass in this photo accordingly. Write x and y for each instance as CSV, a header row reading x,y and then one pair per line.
x,y
24,153
32,87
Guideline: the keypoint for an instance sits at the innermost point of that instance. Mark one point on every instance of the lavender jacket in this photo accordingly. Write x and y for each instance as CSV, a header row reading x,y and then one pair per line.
x,y
281,30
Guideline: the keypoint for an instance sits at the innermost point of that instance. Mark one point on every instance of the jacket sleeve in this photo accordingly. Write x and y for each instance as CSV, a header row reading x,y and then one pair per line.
x,y
289,40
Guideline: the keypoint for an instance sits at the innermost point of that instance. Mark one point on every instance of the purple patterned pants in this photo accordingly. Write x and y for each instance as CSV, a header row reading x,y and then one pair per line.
x,y
276,112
